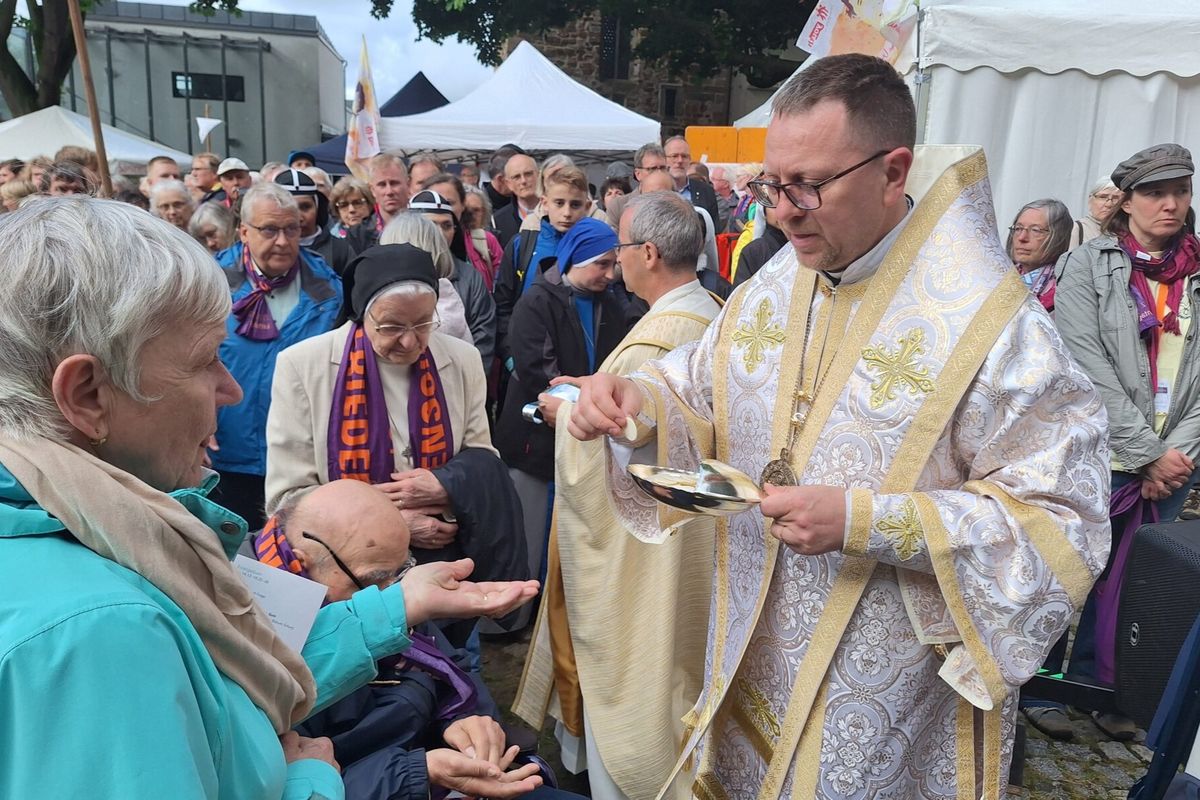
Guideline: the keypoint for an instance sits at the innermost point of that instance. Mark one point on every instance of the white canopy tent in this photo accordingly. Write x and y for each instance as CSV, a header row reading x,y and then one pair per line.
x,y
1056,91
45,131
528,102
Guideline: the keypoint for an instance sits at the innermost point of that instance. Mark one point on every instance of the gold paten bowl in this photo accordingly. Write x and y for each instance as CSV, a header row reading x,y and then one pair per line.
x,y
716,489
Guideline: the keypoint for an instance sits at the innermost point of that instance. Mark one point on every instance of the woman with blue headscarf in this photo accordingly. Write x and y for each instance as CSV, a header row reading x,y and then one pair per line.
x,y
566,323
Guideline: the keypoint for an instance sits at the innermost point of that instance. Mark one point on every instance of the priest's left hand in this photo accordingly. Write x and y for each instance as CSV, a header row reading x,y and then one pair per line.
x,y
548,405
418,488
809,519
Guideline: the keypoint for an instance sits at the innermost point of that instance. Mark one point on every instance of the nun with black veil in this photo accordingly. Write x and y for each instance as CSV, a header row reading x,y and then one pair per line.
x,y
388,400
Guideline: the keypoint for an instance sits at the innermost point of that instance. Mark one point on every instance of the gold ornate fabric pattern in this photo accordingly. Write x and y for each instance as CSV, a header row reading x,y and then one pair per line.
x,y
758,337
903,530
898,368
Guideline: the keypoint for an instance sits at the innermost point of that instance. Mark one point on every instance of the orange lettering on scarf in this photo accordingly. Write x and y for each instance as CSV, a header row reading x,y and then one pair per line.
x,y
357,365
355,464
354,432
431,411
433,439
352,403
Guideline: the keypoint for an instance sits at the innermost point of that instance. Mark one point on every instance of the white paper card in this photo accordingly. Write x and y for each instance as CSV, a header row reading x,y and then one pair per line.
x,y
1162,398
290,601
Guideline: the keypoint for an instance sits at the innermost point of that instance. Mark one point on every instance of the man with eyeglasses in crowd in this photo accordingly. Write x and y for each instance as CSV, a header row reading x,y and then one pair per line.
x,y
933,462
648,160
282,294
698,192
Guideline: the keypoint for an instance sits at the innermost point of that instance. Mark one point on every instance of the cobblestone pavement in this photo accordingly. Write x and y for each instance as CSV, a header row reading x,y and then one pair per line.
x,y
1091,767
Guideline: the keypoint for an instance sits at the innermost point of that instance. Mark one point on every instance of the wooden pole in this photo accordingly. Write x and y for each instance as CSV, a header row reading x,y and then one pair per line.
x,y
89,88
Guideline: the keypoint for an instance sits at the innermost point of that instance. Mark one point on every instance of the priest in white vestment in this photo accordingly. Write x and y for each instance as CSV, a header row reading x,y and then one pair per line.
x,y
938,506
618,650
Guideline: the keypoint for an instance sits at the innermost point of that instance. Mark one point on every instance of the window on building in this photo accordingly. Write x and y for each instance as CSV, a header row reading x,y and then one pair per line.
x,y
668,101
614,49
206,86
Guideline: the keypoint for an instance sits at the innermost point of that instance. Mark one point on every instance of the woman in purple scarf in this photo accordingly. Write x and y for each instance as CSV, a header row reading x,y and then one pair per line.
x,y
1124,307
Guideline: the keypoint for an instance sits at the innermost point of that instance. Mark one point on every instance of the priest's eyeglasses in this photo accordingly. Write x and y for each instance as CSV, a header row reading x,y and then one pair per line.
x,y
804,196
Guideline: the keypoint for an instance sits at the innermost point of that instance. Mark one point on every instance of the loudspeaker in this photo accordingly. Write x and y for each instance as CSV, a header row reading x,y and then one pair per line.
x,y
1159,603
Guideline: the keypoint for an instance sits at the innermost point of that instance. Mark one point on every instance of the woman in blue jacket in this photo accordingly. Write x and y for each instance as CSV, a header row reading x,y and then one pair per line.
x,y
134,663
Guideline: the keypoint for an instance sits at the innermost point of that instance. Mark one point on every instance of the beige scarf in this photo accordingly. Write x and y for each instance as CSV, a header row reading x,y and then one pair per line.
x,y
123,519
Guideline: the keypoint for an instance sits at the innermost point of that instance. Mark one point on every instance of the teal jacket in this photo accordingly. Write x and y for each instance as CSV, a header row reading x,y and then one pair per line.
x,y
107,691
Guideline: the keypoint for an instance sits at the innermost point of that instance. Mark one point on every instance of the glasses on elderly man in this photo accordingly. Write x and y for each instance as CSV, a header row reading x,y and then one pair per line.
x,y
272,232
804,196
382,579
336,560
1108,197
1035,231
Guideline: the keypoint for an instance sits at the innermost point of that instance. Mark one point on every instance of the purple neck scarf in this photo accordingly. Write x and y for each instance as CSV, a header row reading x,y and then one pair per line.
x,y
423,654
359,438
253,317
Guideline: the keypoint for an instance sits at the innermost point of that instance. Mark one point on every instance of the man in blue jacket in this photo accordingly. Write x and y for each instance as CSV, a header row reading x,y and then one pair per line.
x,y
282,294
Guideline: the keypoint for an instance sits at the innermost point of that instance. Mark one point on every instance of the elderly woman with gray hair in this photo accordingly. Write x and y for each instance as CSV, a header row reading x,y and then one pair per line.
x,y
171,200
388,399
133,660
1036,239
1102,200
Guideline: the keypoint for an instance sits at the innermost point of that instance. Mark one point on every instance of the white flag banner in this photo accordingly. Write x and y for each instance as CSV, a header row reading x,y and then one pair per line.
x,y
206,126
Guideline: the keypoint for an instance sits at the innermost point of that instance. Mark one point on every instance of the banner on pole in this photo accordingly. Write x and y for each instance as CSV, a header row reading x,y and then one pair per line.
x,y
206,125
872,27
362,140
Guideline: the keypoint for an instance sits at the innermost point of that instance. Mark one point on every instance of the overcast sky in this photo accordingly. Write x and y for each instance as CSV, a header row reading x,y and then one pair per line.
x,y
396,55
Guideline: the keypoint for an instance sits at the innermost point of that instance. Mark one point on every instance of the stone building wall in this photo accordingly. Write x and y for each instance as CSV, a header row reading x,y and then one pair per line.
x,y
576,49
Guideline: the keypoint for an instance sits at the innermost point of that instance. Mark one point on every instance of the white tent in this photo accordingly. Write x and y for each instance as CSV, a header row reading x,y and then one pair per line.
x,y
45,131
1056,91
528,102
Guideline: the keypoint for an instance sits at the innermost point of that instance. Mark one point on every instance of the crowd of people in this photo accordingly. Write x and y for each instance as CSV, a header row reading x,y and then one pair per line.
x,y
348,380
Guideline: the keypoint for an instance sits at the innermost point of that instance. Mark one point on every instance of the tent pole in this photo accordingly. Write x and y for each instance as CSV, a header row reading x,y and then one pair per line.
x,y
85,70
224,95
149,84
112,95
922,99
262,99
187,95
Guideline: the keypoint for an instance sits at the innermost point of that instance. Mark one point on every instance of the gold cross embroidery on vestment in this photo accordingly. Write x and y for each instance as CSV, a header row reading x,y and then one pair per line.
x,y
761,335
903,530
898,368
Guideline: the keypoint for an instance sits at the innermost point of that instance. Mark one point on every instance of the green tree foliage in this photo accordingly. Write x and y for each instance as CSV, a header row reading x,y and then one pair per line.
x,y
696,38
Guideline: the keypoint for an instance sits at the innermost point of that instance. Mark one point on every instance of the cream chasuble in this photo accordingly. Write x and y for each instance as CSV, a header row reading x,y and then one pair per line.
x,y
975,456
637,612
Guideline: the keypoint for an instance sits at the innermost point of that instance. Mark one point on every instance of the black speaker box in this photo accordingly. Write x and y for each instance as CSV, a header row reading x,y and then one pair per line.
x,y
1160,600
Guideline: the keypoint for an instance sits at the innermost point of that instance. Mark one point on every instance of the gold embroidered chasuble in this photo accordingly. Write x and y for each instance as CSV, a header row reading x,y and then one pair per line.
x,y
974,452
623,624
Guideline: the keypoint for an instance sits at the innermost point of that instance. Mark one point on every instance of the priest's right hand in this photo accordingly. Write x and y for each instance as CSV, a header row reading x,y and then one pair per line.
x,y
605,403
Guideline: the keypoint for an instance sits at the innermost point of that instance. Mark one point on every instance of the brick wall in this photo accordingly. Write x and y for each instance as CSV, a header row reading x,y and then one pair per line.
x,y
575,49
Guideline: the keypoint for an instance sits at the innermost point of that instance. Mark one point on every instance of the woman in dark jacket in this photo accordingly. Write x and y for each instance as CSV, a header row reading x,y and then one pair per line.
x,y
565,324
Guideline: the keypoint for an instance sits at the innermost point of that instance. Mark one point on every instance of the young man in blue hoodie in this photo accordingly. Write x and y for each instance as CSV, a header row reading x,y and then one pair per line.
x,y
565,201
